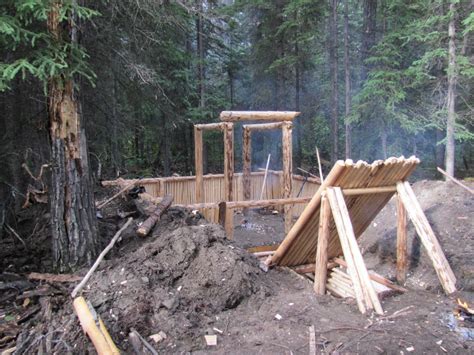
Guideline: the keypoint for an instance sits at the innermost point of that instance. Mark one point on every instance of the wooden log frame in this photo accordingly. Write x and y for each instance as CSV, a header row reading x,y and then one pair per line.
x,y
287,174
427,236
228,130
237,116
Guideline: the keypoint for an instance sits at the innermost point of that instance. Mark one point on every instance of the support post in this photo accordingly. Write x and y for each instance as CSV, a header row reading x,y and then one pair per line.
x,y
320,272
198,165
228,161
427,236
287,172
247,164
401,242
226,219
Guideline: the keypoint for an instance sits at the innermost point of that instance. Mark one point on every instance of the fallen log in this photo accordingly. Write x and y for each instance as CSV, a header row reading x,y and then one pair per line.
x,y
147,226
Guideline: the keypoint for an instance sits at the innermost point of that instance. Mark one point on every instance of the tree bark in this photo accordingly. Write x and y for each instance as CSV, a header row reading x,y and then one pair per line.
x,y
333,59
347,79
72,209
452,81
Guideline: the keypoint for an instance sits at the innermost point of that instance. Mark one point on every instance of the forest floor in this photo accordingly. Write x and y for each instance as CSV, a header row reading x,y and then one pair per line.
x,y
186,280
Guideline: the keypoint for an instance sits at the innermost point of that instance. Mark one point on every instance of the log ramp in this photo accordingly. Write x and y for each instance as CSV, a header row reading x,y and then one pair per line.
x,y
341,210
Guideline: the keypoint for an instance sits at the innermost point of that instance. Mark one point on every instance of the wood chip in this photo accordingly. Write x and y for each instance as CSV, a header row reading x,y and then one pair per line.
x,y
211,340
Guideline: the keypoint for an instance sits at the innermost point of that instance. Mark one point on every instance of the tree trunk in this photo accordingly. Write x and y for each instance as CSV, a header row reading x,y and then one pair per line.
x,y
73,220
452,80
333,59
347,77
368,35
200,50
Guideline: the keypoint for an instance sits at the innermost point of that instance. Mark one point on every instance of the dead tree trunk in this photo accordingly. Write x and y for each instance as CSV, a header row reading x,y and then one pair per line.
x,y
72,209
452,80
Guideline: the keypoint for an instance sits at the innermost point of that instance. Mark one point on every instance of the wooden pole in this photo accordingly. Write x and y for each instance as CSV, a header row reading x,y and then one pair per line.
x,y
369,190
247,164
265,177
401,242
456,181
319,166
226,219
210,126
233,116
320,272
427,236
266,203
287,147
198,165
229,161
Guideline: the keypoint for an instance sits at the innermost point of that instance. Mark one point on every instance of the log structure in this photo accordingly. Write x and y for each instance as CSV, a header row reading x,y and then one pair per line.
x,y
287,158
236,116
355,193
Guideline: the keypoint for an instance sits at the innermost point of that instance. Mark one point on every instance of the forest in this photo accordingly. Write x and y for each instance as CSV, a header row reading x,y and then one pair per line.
x,y
116,86
99,102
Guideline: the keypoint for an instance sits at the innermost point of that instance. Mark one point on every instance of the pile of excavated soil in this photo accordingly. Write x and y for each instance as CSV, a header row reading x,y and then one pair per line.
x,y
175,282
449,209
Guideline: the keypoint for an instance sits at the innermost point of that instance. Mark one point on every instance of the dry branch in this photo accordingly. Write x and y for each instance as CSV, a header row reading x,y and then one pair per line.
x,y
54,277
122,190
86,278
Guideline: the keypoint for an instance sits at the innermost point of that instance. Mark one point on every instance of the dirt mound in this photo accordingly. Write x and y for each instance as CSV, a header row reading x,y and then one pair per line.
x,y
176,281
449,210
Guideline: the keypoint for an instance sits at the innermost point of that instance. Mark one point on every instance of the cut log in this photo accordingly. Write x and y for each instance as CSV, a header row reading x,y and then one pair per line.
x,y
148,225
94,328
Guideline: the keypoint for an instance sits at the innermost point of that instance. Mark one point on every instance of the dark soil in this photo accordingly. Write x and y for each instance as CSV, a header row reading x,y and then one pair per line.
x,y
187,280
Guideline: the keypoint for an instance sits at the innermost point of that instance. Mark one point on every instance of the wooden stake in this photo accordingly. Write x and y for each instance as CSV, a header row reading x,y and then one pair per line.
x,y
228,161
265,177
402,249
287,172
122,190
198,165
427,236
320,273
247,164
226,219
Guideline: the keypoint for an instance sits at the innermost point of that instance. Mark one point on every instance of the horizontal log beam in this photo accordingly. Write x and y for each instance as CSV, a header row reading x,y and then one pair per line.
x,y
369,190
263,126
233,116
265,203
196,206
210,126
